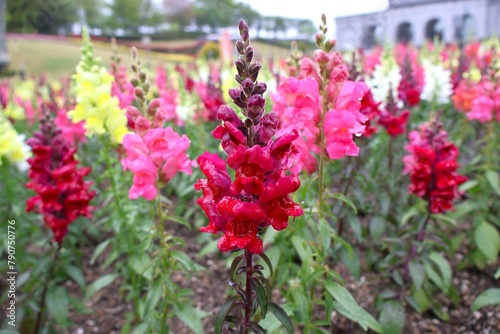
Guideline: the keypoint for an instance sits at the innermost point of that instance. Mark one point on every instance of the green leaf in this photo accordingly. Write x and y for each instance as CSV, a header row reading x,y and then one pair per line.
x,y
346,305
223,313
141,329
445,219
268,262
99,249
179,220
356,227
141,264
261,295
272,324
76,274
490,296
417,274
152,298
57,300
444,268
422,300
325,233
408,214
344,199
185,260
352,262
189,316
497,273
98,284
392,317
347,246
298,244
494,181
281,315
487,240
234,266
377,227
467,185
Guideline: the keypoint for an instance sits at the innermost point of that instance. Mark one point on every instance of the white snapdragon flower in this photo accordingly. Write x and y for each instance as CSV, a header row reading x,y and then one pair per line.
x,y
437,83
386,76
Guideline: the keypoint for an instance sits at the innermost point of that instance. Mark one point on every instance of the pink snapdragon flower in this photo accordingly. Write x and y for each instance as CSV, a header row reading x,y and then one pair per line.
x,y
345,121
157,156
73,132
121,86
168,97
486,106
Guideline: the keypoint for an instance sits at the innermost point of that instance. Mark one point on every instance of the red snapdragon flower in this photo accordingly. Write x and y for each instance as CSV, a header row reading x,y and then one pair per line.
x,y
392,118
412,76
259,196
432,165
62,194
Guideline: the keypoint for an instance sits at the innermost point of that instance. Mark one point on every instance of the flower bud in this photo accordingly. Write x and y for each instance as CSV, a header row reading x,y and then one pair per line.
x,y
268,126
142,124
321,57
234,93
331,44
319,39
240,47
248,123
134,68
139,93
260,88
248,87
254,68
134,82
255,106
239,79
154,103
243,28
249,54
142,77
133,112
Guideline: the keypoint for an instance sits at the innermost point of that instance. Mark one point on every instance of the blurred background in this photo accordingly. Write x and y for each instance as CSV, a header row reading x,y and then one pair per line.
x,y
44,36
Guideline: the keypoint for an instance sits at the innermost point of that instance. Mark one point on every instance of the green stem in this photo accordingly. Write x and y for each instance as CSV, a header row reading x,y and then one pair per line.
x,y
7,186
490,146
322,139
248,289
107,149
165,258
44,292
159,213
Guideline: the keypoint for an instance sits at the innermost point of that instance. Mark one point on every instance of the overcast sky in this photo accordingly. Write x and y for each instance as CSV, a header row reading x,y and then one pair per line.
x,y
312,9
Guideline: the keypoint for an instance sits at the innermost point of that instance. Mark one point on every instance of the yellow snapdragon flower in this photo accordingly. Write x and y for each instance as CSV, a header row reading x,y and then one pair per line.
x,y
95,105
14,111
12,145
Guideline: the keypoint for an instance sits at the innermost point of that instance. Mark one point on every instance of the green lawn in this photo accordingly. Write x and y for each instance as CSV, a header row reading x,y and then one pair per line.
x,y
60,58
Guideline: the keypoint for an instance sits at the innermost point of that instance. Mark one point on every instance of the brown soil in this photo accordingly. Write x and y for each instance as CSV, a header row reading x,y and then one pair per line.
x,y
107,308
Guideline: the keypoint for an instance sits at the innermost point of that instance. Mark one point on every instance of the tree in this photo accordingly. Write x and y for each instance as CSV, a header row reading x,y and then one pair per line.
x,y
40,15
244,11
93,12
214,13
179,13
132,14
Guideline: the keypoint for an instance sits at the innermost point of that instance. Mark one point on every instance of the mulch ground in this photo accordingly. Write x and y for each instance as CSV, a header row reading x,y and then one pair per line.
x,y
107,308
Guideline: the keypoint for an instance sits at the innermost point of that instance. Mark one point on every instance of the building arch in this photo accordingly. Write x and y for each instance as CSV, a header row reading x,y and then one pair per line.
x,y
469,23
372,35
404,32
434,29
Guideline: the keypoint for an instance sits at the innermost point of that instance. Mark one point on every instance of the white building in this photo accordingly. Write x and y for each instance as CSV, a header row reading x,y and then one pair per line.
x,y
419,20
